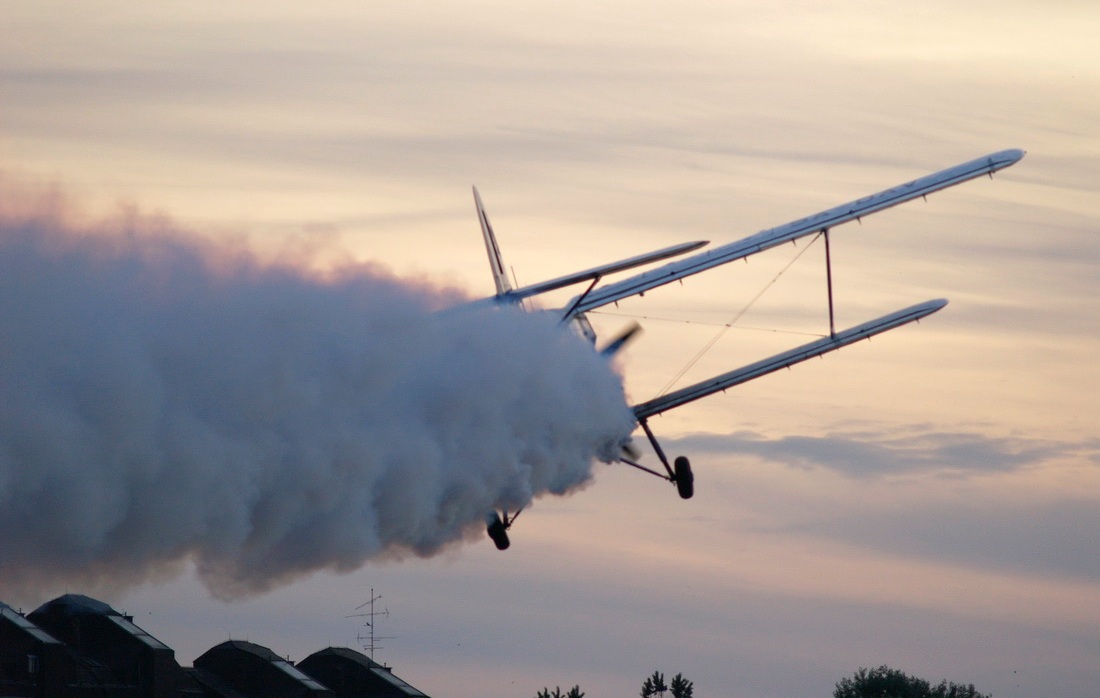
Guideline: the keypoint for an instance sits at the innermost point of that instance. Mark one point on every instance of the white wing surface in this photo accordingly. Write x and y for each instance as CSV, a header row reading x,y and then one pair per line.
x,y
767,239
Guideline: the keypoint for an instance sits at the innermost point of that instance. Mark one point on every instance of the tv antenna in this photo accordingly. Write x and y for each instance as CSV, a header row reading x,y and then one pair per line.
x,y
367,636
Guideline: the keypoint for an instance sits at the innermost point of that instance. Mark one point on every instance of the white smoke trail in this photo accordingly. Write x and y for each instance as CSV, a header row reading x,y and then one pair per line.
x,y
164,399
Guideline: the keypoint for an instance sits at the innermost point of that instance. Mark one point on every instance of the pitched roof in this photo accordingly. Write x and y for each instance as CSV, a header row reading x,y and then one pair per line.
x,y
76,605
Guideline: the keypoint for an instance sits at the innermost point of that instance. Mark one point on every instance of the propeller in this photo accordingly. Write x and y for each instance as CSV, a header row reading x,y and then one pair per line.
x,y
630,451
621,340
627,450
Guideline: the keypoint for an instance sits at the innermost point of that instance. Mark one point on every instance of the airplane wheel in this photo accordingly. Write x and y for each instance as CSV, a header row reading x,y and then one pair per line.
x,y
685,480
499,533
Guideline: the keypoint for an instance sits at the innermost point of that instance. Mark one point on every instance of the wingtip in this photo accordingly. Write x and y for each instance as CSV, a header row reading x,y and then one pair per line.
x,y
1009,157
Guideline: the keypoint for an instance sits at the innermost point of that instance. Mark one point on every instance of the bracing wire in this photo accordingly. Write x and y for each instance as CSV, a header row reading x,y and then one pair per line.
x,y
727,326
704,323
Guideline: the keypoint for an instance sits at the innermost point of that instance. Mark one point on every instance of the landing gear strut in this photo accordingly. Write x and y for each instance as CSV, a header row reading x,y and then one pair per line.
x,y
678,472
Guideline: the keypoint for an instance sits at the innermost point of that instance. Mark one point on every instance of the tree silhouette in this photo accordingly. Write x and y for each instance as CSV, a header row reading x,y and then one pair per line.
x,y
885,682
574,692
654,686
955,690
682,688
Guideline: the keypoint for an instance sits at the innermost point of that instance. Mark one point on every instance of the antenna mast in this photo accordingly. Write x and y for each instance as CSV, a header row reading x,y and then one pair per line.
x,y
367,638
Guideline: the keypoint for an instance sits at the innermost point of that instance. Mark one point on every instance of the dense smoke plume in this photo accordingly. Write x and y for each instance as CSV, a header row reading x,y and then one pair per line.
x,y
165,399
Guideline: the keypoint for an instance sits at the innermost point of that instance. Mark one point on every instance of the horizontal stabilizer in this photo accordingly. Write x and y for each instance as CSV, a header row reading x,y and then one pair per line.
x,y
786,359
766,239
601,271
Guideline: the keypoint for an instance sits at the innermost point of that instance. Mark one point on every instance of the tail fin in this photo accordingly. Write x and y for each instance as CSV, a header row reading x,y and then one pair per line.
x,y
500,274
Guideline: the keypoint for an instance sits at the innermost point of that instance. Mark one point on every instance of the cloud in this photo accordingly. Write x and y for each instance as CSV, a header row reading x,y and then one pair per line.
x,y
1023,506
868,454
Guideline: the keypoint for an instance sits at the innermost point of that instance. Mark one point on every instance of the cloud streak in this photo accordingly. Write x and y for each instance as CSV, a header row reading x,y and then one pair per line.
x,y
1011,505
865,454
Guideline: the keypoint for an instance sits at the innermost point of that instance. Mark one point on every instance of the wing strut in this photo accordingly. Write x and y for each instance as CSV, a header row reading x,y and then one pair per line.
x,y
829,284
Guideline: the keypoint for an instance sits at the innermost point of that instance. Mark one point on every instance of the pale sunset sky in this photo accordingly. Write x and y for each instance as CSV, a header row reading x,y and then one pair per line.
x,y
928,500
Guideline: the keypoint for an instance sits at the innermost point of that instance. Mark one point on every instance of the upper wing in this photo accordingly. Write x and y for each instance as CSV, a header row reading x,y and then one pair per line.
x,y
766,239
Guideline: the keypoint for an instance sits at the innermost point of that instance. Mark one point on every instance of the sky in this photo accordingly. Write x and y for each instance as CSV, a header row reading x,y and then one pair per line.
x,y
926,500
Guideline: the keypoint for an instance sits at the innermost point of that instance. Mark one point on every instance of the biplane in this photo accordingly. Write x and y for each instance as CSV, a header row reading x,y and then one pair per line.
x,y
594,296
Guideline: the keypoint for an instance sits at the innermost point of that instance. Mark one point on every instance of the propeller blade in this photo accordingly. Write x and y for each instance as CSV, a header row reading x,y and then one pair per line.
x,y
621,340
630,450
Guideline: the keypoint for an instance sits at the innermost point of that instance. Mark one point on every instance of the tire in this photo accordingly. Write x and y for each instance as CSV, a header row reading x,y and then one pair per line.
x,y
684,478
499,533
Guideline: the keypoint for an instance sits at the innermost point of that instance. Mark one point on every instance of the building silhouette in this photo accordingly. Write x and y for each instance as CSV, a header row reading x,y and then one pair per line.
x,y
351,674
77,647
